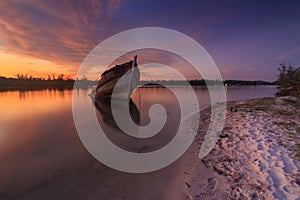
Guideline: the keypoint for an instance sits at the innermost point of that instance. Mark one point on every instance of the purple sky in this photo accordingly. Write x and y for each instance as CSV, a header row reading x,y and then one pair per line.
x,y
246,39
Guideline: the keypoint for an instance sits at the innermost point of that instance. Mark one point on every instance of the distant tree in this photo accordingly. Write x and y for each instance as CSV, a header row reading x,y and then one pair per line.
x,y
288,80
84,78
60,77
21,76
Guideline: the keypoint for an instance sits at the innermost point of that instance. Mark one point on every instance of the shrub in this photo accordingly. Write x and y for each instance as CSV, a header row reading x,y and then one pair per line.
x,y
288,80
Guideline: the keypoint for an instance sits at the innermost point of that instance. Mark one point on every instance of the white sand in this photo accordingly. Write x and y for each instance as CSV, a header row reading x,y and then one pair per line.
x,y
253,153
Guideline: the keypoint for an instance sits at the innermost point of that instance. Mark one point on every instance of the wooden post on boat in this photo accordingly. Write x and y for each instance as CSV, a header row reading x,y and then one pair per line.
x,y
132,73
134,61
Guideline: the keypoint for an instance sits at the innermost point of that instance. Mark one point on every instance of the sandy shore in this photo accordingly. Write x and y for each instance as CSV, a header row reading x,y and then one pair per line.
x,y
257,155
255,158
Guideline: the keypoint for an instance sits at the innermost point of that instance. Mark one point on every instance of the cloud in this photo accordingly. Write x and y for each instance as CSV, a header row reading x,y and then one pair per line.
x,y
289,54
61,32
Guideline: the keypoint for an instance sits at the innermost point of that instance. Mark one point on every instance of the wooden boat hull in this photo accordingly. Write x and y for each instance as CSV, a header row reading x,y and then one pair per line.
x,y
130,77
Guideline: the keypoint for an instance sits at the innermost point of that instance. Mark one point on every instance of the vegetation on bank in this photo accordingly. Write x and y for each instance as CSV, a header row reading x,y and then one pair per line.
x,y
25,82
203,82
288,80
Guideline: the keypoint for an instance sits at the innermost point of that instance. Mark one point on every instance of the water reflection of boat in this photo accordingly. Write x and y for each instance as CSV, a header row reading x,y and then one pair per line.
x,y
139,106
109,78
103,107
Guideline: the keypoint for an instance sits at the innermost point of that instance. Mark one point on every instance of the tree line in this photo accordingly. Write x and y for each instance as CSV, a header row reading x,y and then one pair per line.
x,y
24,81
203,82
288,82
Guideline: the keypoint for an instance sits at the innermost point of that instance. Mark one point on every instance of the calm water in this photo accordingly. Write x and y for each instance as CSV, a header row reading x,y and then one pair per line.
x,y
39,145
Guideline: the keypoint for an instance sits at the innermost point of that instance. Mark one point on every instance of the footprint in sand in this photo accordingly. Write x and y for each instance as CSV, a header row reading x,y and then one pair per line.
x,y
262,166
211,186
289,167
260,147
275,182
252,132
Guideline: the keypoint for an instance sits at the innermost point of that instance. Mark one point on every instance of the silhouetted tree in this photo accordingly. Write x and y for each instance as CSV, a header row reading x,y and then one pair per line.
x,y
84,78
288,80
60,77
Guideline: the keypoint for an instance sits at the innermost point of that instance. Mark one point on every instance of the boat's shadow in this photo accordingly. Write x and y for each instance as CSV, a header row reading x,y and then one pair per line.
x,y
111,129
139,113
104,110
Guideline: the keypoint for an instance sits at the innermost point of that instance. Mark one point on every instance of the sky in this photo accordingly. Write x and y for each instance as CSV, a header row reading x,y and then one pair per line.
x,y
247,39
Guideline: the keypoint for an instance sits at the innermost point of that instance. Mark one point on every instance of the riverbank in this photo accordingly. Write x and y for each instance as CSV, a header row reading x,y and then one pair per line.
x,y
257,155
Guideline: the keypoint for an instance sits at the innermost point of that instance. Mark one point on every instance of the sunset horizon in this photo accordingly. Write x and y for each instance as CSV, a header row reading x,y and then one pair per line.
x,y
246,41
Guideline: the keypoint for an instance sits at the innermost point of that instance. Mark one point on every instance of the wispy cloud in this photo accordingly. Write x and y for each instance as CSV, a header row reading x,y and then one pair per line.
x,y
61,32
289,54
158,58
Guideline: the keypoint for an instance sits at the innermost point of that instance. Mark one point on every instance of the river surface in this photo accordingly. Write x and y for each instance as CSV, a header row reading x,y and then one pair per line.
x,y
39,141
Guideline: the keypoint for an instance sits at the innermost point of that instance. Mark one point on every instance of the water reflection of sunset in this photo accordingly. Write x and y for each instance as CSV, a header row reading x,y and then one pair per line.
x,y
19,104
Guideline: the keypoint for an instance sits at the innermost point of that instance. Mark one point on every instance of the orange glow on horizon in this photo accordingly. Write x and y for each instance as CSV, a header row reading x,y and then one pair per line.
x,y
12,64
